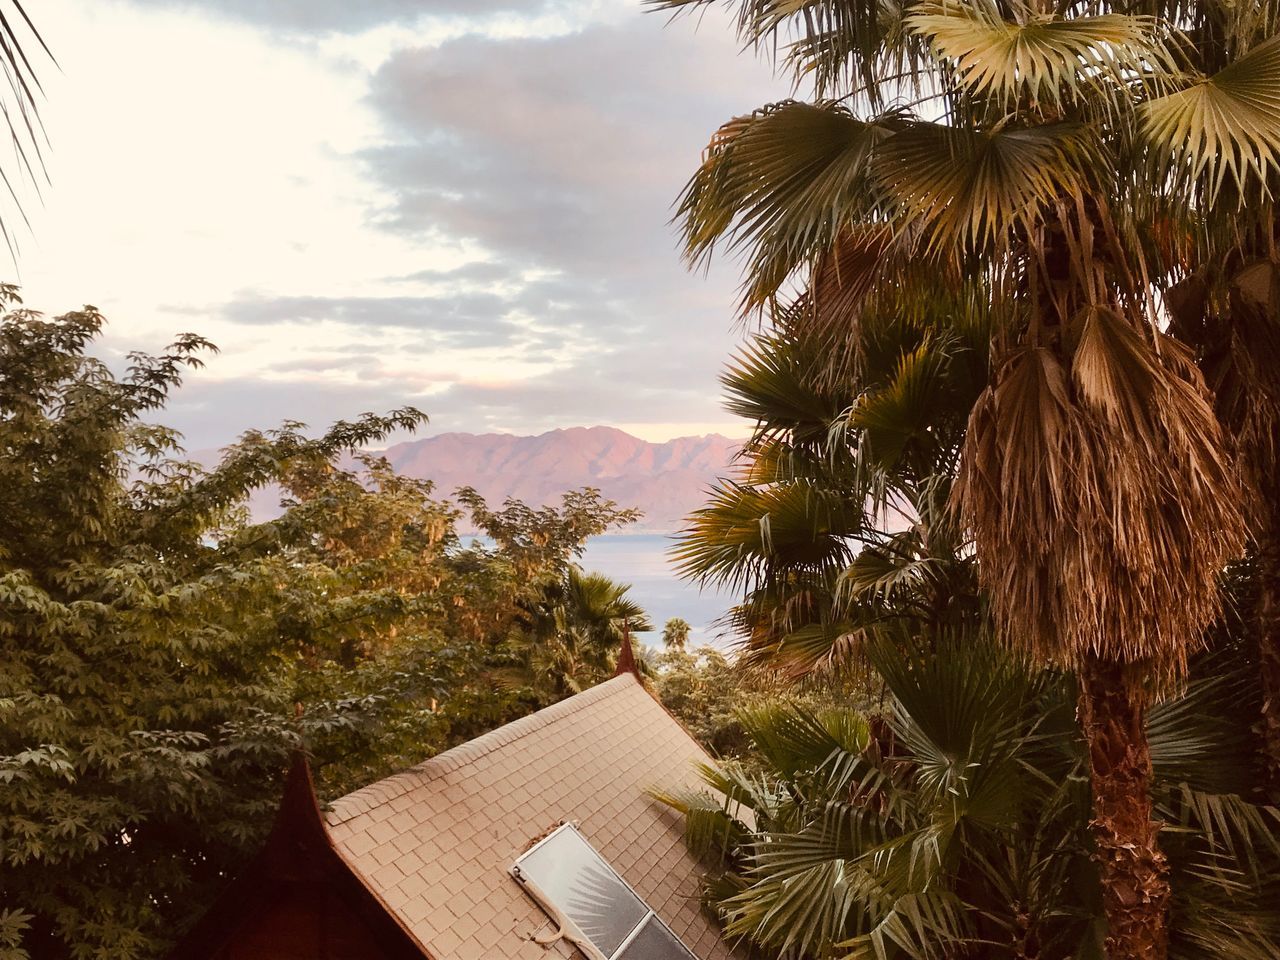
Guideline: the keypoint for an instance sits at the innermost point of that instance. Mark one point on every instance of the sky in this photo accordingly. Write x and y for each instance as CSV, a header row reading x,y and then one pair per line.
x,y
459,205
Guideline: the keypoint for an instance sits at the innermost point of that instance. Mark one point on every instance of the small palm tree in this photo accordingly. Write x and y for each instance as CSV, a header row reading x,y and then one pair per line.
x,y
840,503
1062,164
675,634
572,634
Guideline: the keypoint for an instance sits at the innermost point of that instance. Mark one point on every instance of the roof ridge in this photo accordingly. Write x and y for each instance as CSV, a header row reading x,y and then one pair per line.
x,y
383,791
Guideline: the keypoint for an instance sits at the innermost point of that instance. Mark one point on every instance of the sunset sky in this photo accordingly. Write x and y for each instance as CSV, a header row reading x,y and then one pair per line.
x,y
456,204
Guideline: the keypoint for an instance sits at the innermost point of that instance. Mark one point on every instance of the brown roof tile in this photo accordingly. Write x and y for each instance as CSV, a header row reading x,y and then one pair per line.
x,y
436,841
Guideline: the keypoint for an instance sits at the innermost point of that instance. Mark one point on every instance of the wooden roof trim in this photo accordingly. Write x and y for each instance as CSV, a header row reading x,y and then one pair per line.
x,y
627,656
299,850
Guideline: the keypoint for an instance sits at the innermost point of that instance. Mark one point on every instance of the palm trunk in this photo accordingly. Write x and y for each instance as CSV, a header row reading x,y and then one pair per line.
x,y
1133,871
1269,651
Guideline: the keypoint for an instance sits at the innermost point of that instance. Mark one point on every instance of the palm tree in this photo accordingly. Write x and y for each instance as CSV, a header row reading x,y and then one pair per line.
x,y
573,632
675,634
839,509
910,596
1064,164
20,106
1228,310
959,828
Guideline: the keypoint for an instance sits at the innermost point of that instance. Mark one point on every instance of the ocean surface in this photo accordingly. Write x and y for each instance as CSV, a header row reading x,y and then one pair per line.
x,y
641,560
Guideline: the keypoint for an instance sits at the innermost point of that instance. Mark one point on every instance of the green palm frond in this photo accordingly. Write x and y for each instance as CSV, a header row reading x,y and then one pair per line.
x,y
747,536
897,420
770,382
1225,857
812,648
1225,125
792,740
1041,59
780,182
744,788
711,831
849,42
972,189
919,926
1197,739
884,572
21,111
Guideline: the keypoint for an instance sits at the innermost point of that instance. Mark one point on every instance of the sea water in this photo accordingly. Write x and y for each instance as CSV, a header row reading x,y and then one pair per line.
x,y
642,560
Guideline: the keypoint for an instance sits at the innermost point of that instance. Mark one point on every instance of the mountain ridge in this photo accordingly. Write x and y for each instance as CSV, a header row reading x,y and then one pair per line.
x,y
664,480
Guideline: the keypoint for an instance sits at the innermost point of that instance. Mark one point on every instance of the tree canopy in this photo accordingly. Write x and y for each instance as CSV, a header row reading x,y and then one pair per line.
x,y
163,653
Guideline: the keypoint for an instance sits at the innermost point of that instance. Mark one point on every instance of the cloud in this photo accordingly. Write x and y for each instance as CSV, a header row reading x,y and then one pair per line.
x,y
345,15
560,157
471,316
566,150
535,170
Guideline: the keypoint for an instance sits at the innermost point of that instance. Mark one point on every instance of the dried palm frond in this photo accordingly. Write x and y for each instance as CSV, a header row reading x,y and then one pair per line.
x,y
1102,499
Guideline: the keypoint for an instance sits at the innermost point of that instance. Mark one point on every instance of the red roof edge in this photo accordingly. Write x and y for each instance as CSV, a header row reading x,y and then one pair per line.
x,y
626,655
298,851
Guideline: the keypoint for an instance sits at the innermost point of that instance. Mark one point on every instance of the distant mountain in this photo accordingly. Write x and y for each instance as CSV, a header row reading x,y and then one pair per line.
x,y
664,480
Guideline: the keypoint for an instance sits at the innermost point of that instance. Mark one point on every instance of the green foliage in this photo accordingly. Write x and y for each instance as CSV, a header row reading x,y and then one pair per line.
x,y
955,823
1024,195
161,655
709,693
570,632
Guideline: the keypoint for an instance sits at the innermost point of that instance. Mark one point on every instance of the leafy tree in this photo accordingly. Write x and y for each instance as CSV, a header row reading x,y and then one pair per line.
x,y
138,656
675,633
1064,165
162,655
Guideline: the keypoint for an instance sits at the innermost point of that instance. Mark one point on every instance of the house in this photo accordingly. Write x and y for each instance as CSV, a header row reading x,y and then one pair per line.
x,y
537,840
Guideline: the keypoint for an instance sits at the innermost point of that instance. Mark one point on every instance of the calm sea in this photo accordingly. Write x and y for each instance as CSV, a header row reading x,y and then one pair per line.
x,y
641,560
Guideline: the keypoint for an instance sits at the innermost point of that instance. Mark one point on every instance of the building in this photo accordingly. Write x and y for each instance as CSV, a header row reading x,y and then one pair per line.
x,y
536,840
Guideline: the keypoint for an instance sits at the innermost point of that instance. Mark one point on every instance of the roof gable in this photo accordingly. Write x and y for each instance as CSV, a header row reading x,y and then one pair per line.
x,y
435,842
298,898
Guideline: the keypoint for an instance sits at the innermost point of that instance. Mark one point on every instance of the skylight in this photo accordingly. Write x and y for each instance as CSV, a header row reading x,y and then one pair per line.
x,y
594,907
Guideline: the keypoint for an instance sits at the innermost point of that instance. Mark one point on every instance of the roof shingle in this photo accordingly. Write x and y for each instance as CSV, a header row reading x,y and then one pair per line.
x,y
435,842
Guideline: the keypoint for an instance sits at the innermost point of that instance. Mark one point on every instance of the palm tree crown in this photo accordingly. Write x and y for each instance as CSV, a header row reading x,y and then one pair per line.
x,y
1057,167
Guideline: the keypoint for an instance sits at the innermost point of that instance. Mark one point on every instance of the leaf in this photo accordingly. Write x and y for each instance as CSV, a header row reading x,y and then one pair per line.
x,y
1045,59
971,190
1226,125
780,183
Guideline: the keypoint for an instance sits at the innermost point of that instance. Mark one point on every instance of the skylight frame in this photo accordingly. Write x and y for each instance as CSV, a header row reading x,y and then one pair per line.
x,y
568,926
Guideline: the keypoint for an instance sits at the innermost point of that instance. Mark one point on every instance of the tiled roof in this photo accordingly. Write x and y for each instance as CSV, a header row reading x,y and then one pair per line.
x,y
436,841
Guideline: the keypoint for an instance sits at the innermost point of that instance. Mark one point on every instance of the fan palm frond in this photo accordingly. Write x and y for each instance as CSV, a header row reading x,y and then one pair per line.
x,y
747,536
770,382
972,190
1224,125
778,182
1041,59
21,109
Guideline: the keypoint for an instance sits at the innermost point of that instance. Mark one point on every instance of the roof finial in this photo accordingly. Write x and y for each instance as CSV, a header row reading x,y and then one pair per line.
x,y
626,656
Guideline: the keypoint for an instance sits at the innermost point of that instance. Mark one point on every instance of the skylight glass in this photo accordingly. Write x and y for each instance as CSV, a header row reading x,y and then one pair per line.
x,y
569,879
